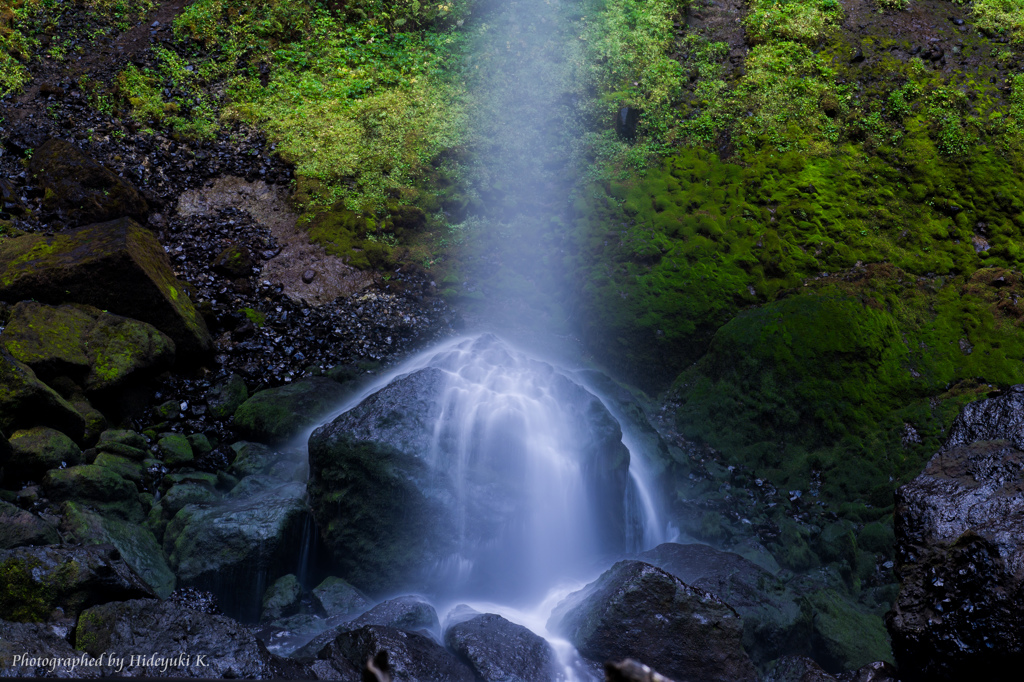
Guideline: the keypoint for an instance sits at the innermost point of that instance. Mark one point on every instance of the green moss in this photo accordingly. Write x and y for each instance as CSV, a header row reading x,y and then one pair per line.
x,y
254,316
24,599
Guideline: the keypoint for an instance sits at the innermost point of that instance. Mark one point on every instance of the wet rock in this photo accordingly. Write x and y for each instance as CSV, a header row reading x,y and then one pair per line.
x,y
797,669
235,261
635,610
41,579
98,350
405,613
174,449
25,401
226,397
136,545
278,414
410,613
95,485
253,458
237,548
377,454
28,649
39,449
841,636
772,619
879,671
21,528
959,529
117,266
281,599
407,655
336,598
628,670
80,189
215,645
626,121
498,650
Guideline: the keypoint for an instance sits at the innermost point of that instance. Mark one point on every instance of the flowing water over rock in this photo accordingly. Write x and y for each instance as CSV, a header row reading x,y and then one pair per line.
x,y
476,471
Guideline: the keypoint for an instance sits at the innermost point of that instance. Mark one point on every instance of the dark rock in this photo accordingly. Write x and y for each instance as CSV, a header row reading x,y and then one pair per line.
x,y
80,189
21,528
25,401
626,122
629,670
117,266
98,350
226,397
278,414
879,671
308,276
26,136
95,485
635,610
842,637
28,649
135,545
335,597
216,646
38,580
959,543
235,262
498,650
236,549
797,669
772,619
410,657
409,613
281,599
858,56
175,450
999,418
39,449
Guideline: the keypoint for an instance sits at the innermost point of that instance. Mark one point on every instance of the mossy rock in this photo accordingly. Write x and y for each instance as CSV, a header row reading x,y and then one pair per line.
x,y
226,397
81,189
117,266
19,528
136,545
95,485
128,469
25,401
175,449
200,444
99,350
347,234
838,542
125,437
39,449
281,599
843,637
95,421
122,450
336,597
879,537
252,458
277,414
235,262
186,493
38,580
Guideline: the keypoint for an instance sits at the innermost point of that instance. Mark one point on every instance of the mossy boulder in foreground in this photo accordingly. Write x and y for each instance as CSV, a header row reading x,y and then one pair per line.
x,y
117,266
278,414
39,449
99,350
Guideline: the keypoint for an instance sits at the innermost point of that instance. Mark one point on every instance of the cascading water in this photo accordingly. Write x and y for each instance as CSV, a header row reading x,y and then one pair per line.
x,y
529,485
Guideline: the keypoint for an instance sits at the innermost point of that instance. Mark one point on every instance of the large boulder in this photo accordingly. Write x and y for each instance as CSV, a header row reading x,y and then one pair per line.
x,y
772,622
182,642
485,460
97,350
37,650
635,610
21,528
38,580
25,401
136,545
402,655
96,486
117,266
279,414
336,598
960,551
39,449
498,650
237,548
79,189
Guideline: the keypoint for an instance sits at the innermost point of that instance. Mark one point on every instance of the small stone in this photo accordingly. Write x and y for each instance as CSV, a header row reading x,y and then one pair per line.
x,y
308,276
